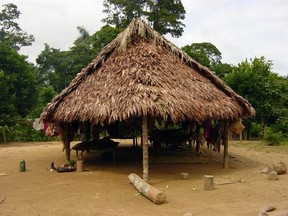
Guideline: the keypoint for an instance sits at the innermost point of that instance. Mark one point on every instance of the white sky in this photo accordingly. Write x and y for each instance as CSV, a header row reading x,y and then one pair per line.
x,y
240,29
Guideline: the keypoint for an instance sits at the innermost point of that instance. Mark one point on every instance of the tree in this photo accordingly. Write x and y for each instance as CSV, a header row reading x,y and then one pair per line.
x,y
8,112
209,56
17,87
121,12
57,68
44,95
222,70
265,90
21,77
17,76
104,36
13,65
205,53
164,15
52,68
10,32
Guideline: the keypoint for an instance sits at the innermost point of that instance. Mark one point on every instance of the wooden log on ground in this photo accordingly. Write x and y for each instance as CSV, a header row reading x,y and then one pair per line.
x,y
263,211
268,208
273,176
280,168
147,190
208,182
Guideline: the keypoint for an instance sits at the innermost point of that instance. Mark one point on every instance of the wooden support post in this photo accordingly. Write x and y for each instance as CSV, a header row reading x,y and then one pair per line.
x,y
240,135
67,137
208,182
147,190
225,144
197,147
198,138
87,131
145,149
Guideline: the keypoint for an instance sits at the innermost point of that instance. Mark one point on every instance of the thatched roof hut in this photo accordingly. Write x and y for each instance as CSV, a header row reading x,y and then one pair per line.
x,y
140,74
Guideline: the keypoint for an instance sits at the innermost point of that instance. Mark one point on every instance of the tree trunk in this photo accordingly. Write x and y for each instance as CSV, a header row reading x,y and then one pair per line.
x,y
147,190
263,125
145,149
225,143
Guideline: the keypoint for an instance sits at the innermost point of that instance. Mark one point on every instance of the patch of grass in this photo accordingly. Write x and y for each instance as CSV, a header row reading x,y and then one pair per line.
x,y
261,146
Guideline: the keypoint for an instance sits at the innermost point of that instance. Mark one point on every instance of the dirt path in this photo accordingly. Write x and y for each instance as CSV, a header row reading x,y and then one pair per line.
x,y
103,189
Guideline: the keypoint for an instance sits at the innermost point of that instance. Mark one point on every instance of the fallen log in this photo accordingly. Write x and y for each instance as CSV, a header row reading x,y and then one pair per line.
x,y
280,168
2,200
147,190
268,208
263,211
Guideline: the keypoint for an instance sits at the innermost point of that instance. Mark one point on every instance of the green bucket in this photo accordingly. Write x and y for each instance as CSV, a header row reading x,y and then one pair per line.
x,y
22,166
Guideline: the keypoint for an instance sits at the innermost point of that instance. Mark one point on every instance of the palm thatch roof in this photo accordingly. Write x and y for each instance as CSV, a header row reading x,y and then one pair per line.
x,y
142,73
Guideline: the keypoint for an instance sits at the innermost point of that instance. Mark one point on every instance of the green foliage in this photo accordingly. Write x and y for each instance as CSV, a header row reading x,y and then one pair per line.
x,y
17,76
24,132
198,55
8,112
121,12
57,68
52,68
255,130
104,36
208,55
273,138
164,15
10,32
18,81
205,53
44,95
222,70
266,91
282,125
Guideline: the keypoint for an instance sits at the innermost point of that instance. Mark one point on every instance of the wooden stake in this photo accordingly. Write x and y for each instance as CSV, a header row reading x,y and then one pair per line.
x,y
147,190
80,165
208,182
145,149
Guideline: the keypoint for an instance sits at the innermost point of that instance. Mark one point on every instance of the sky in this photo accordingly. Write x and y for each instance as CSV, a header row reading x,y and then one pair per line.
x,y
240,29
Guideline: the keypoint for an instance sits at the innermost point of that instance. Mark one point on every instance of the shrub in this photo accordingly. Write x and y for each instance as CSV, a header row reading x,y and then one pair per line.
x,y
24,132
273,138
255,130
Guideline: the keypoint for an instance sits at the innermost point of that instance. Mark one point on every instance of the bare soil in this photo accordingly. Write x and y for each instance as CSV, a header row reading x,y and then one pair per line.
x,y
103,188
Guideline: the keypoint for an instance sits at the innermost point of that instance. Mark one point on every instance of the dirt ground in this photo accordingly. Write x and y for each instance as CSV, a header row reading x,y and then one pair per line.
x,y
103,188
